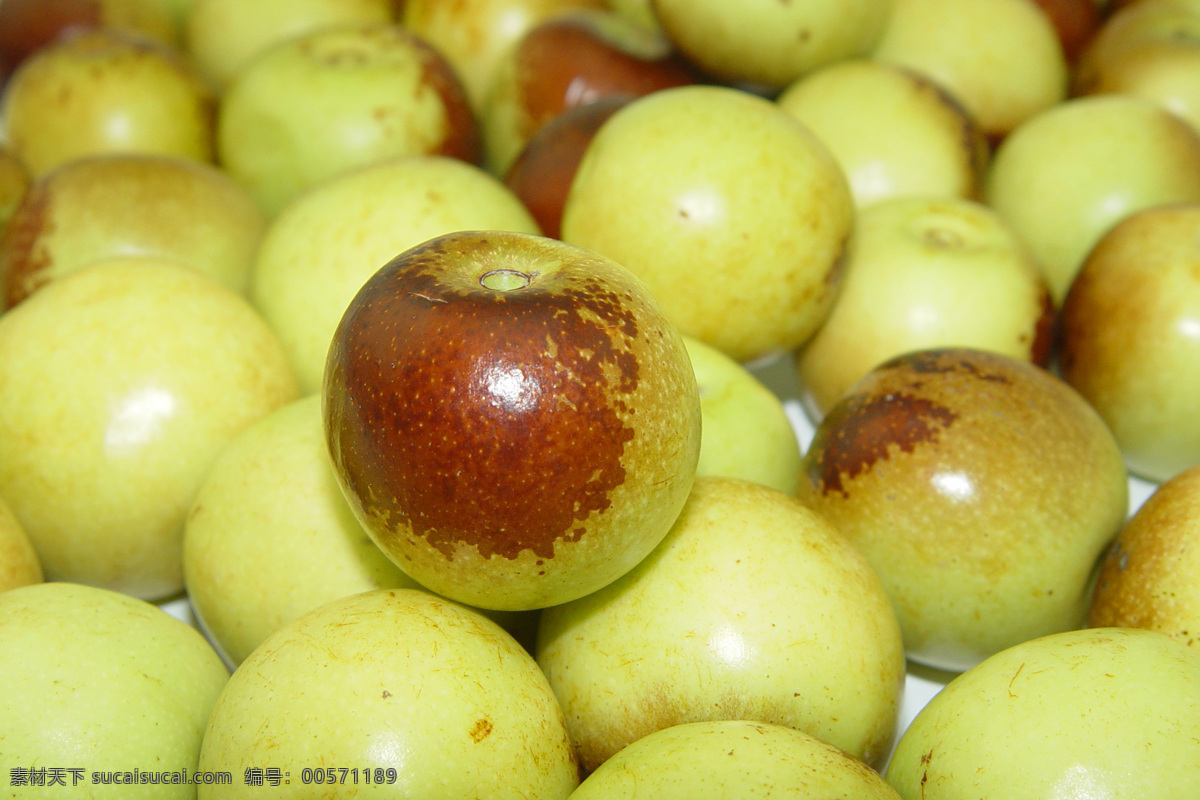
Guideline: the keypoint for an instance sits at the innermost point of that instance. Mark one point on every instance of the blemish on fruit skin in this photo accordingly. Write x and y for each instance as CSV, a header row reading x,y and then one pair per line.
x,y
23,265
444,455
942,362
481,730
1042,347
374,44
861,431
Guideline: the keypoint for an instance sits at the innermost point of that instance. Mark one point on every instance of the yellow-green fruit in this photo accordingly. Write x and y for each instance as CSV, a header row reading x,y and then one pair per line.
x,y
981,488
336,99
745,431
927,272
729,209
1150,577
1065,176
753,607
119,386
1002,59
222,36
512,419
105,689
640,12
424,697
270,537
894,132
1099,713
123,204
736,758
103,91
19,564
319,251
1130,337
475,34
769,43
150,18
1147,49
177,10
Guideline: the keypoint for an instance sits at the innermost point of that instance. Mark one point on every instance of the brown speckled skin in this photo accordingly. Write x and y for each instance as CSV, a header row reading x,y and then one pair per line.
x,y
510,449
1150,577
981,488
22,264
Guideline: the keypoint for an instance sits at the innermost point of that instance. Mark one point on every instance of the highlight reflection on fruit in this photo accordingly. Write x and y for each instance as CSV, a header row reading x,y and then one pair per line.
x,y
134,373
320,249
729,209
105,91
512,419
753,607
982,490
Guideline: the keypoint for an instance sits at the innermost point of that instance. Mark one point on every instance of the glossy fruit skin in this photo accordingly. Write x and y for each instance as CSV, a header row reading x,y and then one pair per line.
x,y
475,35
981,488
541,174
1149,577
729,209
753,607
1151,50
392,679
135,373
1129,337
1102,712
318,251
515,446
736,758
102,682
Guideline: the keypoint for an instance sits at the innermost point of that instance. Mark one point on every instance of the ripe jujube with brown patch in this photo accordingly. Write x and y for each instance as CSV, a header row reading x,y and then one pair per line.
x,y
980,487
512,419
